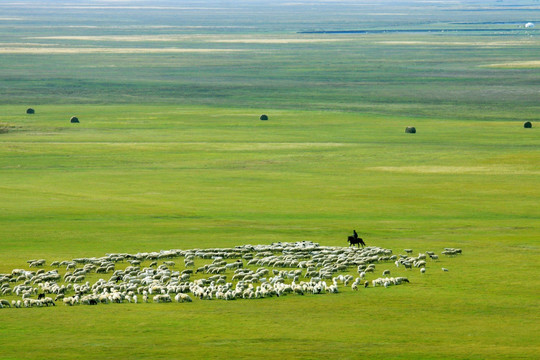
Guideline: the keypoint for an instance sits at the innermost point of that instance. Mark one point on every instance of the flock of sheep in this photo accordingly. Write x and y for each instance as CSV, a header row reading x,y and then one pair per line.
x,y
242,272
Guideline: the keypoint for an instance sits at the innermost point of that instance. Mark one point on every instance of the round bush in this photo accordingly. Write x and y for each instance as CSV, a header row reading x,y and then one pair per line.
x,y
410,130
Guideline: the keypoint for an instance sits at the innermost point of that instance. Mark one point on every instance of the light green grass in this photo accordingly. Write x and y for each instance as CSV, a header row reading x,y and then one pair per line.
x,y
145,178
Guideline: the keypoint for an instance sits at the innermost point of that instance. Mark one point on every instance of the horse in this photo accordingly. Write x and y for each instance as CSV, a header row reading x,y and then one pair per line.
x,y
356,241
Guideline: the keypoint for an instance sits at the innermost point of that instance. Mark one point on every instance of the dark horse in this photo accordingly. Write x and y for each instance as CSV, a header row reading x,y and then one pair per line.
x,y
355,240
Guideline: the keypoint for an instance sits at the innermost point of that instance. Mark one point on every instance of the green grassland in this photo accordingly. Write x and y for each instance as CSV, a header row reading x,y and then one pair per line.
x,y
146,178
170,154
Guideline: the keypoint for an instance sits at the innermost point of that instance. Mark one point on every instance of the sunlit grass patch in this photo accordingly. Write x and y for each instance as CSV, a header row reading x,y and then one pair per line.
x,y
532,64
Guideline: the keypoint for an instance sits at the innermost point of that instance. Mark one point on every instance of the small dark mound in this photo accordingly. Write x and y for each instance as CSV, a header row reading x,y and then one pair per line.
x,y
74,120
264,117
30,111
527,125
410,130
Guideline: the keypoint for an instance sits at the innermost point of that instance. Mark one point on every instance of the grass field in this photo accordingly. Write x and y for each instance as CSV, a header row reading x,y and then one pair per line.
x,y
170,153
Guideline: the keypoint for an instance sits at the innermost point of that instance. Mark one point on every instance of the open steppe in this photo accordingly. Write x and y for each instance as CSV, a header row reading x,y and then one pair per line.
x,y
170,154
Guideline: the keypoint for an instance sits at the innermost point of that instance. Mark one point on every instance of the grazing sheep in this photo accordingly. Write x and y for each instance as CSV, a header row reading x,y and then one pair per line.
x,y
48,301
286,261
164,298
68,301
423,270
444,269
181,297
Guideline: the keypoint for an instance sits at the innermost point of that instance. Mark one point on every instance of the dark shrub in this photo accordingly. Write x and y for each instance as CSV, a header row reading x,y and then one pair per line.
x,y
410,130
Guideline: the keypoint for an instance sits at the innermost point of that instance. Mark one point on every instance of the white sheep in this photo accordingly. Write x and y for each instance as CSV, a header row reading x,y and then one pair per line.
x,y
162,298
